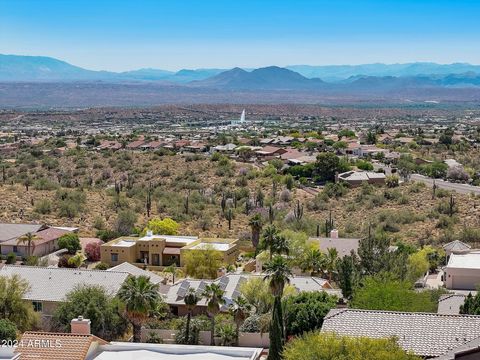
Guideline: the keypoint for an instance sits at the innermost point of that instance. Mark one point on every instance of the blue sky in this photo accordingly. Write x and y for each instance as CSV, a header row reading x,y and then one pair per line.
x,y
173,34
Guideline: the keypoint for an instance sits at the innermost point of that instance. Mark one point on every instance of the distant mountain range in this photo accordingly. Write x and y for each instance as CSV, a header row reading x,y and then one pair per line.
x,y
342,72
41,68
44,81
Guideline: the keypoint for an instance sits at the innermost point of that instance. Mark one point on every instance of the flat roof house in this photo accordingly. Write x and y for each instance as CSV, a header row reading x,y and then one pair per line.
x,y
151,250
155,251
463,271
228,248
428,335
356,178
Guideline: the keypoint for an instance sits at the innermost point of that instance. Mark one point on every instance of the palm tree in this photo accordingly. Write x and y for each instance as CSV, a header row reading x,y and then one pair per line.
x,y
239,310
140,297
331,262
214,295
280,245
29,239
314,261
270,235
256,224
190,300
278,274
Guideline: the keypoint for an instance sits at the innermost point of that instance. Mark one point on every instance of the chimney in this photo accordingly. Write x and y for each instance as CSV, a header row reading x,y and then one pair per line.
x,y
334,234
80,326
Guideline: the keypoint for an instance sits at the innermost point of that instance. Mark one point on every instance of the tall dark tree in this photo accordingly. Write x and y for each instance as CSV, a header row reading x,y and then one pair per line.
x,y
278,274
348,274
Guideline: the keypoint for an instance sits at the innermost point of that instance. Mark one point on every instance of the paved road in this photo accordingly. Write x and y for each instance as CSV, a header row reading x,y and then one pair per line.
x,y
460,188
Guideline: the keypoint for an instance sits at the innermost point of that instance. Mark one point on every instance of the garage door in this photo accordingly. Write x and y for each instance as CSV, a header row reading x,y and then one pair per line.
x,y
465,282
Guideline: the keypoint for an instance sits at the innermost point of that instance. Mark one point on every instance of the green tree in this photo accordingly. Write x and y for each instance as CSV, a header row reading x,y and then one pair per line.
x,y
8,330
94,303
418,265
71,242
278,275
327,165
371,137
141,298
191,299
203,263
471,306
214,296
257,293
165,226
348,274
320,346
28,239
305,311
12,305
385,292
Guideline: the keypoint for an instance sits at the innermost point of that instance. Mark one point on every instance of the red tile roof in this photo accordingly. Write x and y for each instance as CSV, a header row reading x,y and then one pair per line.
x,y
58,346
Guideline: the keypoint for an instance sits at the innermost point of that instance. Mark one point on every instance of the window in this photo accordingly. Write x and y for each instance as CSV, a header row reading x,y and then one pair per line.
x,y
114,257
37,306
15,249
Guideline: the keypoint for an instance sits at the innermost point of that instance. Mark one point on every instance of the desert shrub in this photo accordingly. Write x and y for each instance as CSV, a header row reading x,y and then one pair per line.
x,y
445,222
69,241
417,187
335,190
8,330
392,194
43,206
470,234
99,223
101,266
107,235
241,181
44,184
11,258
392,181
31,260
256,323
92,251
442,193
286,195
364,165
125,222
63,261
457,173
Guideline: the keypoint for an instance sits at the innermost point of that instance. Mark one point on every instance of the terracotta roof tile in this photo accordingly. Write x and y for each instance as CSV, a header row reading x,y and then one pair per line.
x,y
58,346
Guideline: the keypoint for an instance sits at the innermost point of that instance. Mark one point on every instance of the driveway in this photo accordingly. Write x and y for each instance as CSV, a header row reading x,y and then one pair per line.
x,y
442,184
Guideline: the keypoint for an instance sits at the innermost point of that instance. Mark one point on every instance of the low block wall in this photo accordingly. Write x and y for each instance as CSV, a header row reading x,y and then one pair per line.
x,y
244,340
